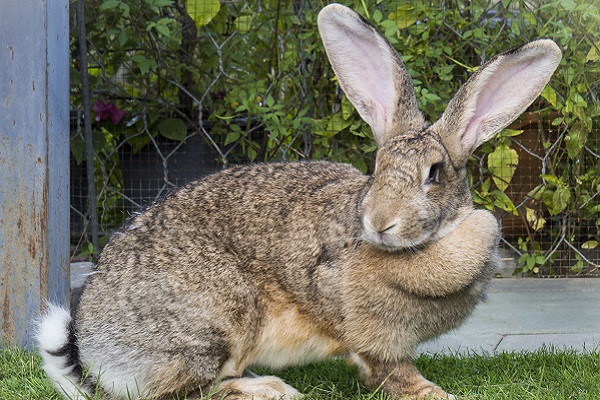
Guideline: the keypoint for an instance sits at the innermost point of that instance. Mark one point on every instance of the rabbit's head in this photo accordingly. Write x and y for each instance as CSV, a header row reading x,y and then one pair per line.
x,y
419,188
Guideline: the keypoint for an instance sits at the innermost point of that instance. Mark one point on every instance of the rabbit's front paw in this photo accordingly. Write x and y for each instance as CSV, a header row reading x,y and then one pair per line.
x,y
480,226
403,380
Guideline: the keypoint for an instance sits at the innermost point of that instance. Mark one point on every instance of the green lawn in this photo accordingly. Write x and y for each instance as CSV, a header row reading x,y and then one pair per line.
x,y
546,374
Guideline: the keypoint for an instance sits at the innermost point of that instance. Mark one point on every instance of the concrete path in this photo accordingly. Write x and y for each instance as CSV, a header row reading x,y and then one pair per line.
x,y
519,314
524,314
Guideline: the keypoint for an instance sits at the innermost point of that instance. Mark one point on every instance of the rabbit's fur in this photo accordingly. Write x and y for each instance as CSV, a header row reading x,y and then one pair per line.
x,y
288,263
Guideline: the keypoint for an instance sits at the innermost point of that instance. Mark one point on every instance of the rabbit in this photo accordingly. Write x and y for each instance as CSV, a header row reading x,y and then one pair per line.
x,y
288,263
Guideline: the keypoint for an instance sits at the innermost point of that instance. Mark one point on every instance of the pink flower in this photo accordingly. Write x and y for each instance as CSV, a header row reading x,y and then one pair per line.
x,y
107,110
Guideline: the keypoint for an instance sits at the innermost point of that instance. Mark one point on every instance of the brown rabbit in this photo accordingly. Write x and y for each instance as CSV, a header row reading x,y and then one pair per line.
x,y
288,263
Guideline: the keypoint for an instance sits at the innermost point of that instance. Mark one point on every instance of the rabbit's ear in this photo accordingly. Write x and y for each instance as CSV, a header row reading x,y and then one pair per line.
x,y
495,96
370,72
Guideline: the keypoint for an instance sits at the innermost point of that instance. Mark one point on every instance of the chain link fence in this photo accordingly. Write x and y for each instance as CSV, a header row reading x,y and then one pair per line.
x,y
182,89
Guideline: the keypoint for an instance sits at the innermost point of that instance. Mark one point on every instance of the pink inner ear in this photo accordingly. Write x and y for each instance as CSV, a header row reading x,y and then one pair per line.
x,y
505,93
364,63
470,136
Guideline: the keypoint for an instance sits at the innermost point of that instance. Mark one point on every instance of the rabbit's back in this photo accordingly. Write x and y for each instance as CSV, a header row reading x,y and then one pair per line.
x,y
195,273
265,213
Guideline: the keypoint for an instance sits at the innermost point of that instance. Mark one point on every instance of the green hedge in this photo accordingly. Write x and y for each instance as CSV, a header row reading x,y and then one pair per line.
x,y
253,79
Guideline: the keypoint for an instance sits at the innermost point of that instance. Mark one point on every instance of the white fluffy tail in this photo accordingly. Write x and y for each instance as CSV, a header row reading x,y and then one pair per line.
x,y
56,340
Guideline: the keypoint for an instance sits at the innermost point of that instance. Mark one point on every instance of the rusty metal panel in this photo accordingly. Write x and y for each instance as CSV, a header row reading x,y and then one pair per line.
x,y
34,160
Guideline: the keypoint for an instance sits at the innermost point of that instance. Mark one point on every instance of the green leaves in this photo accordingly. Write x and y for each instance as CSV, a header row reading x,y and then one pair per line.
x,y
502,163
162,26
550,95
560,199
576,139
144,63
122,6
569,5
173,128
202,11
404,16
493,199
592,54
334,124
535,219
157,4
556,195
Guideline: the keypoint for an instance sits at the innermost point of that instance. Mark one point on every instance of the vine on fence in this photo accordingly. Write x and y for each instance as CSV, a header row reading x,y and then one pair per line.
x,y
252,80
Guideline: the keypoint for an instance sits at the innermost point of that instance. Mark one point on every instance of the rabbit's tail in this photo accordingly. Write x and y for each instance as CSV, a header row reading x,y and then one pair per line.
x,y
58,347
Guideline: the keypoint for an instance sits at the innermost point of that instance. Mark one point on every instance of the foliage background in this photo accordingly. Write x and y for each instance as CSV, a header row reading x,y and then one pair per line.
x,y
183,88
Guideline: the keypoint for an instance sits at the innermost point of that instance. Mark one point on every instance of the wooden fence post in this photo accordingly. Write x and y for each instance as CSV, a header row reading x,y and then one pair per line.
x,y
34,163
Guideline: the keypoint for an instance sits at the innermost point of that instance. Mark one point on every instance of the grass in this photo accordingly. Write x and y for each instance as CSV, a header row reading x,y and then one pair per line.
x,y
22,378
545,374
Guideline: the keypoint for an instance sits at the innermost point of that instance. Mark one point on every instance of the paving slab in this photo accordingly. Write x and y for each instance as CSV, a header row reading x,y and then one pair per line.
x,y
580,342
525,314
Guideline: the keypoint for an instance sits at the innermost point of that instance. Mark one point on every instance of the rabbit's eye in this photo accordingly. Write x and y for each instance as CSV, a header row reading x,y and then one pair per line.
x,y
434,173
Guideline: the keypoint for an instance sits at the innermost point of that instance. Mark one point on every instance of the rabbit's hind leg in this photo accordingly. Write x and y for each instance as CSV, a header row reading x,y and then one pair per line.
x,y
256,388
182,374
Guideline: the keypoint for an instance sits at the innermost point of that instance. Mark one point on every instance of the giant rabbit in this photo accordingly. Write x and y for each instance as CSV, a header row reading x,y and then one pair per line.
x,y
287,263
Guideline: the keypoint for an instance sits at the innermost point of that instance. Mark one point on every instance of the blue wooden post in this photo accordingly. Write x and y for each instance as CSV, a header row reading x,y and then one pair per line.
x,y
34,163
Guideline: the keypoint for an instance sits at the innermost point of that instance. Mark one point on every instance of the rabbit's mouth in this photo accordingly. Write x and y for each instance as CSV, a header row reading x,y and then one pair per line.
x,y
392,244
392,238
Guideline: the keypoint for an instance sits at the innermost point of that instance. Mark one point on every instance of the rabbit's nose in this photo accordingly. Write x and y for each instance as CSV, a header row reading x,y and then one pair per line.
x,y
382,222
388,229
381,227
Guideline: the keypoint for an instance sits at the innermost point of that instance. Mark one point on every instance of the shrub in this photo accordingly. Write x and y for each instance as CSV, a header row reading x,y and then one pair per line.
x,y
252,79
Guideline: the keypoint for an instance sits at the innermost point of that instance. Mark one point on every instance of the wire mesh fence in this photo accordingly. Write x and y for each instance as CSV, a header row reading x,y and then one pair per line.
x,y
182,88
